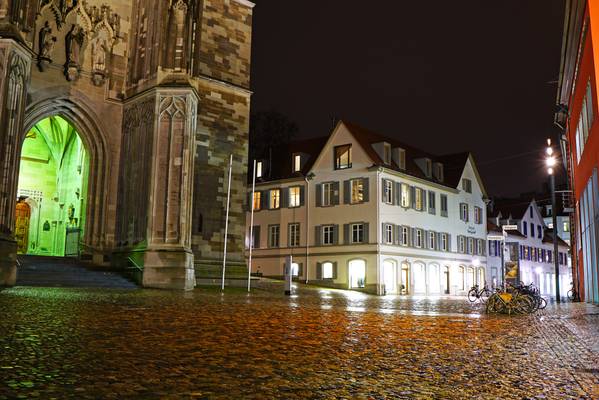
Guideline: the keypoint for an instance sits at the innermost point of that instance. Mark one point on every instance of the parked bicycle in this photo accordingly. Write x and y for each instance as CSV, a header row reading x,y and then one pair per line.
x,y
572,293
476,293
521,299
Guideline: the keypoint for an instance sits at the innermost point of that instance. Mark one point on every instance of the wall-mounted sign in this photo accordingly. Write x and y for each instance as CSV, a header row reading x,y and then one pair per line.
x,y
471,230
510,227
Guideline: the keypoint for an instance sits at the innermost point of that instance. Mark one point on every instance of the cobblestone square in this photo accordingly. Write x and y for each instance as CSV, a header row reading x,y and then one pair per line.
x,y
316,344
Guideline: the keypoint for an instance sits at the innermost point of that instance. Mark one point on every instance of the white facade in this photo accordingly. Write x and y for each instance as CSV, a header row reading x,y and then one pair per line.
x,y
373,226
536,251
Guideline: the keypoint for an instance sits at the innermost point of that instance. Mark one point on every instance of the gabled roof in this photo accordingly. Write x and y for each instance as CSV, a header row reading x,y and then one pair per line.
x,y
510,208
491,227
548,238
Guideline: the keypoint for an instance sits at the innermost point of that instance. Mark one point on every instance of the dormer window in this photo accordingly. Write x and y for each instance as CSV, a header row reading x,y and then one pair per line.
x,y
399,157
297,163
428,168
387,153
258,169
343,156
439,172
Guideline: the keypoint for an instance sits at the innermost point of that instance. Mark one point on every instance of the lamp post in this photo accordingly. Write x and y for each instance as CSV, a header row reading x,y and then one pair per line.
x,y
550,161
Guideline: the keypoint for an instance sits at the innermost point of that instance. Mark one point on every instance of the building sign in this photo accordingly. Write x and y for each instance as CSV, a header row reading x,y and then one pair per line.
x,y
510,227
512,263
471,230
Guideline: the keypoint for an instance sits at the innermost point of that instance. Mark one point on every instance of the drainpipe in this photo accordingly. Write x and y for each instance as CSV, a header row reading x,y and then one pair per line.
x,y
308,178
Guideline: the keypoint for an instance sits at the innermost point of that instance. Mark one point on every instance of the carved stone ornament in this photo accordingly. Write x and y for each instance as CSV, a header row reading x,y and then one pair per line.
x,y
46,44
73,46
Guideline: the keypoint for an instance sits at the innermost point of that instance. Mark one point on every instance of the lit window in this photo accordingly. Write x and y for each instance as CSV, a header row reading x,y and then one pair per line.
x,y
297,163
294,235
294,269
388,192
357,190
256,203
418,203
405,232
327,270
405,195
294,196
273,236
275,197
471,246
258,169
566,226
402,158
444,241
464,212
388,233
327,234
343,156
327,194
357,233
467,185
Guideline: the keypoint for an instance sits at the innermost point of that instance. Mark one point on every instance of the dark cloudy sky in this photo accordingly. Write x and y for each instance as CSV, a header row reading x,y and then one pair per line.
x,y
446,76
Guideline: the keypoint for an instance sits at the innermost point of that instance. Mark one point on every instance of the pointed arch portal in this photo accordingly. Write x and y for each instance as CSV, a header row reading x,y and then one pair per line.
x,y
53,182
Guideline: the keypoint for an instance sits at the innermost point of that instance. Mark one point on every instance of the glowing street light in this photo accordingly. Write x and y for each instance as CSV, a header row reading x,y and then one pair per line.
x,y
551,162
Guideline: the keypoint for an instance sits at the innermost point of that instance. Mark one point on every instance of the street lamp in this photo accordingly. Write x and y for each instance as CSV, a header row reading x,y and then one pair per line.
x,y
551,161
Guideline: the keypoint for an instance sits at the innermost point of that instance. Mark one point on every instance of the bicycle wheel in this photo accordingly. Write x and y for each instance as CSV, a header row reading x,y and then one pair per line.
x,y
485,295
523,304
570,295
472,295
542,303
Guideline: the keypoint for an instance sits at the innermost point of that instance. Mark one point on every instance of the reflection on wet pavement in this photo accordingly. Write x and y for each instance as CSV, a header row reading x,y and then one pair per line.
x,y
318,343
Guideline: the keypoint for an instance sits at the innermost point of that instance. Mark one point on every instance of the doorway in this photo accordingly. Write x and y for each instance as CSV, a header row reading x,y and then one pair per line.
x,y
404,287
390,277
419,278
53,176
357,274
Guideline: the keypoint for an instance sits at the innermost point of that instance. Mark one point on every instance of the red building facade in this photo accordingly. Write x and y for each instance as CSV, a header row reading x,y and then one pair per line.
x,y
577,116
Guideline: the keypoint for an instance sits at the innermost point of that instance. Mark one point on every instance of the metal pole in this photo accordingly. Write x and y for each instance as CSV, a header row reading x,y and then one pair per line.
x,y
503,259
222,287
251,226
307,228
555,246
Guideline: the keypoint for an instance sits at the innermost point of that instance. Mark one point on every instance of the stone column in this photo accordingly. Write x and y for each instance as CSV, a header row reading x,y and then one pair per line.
x,y
164,193
15,67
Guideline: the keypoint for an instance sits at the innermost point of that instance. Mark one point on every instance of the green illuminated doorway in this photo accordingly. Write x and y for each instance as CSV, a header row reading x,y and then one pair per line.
x,y
53,176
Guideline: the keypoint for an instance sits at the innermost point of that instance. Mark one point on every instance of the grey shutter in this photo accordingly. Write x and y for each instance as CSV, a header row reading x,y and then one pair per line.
x,y
335,270
448,242
318,235
383,186
264,199
302,196
413,196
438,241
366,227
397,193
335,199
366,193
426,243
319,195
300,269
412,240
335,234
284,199
250,202
424,200
346,234
396,234
346,192
257,236
318,270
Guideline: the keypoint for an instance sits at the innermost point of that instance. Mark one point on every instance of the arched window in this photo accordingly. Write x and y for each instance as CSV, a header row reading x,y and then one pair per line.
x,y
357,274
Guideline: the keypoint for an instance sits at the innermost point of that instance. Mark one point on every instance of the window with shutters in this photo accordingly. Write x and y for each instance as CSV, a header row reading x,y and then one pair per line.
x,y
258,169
328,234
388,195
418,199
444,205
462,244
327,270
464,212
297,163
327,194
388,233
471,246
444,242
405,236
343,156
478,215
432,202
257,201
273,235
294,196
532,229
539,232
387,153
275,199
418,241
405,195
432,239
479,247
294,235
357,190
255,239
401,153
357,233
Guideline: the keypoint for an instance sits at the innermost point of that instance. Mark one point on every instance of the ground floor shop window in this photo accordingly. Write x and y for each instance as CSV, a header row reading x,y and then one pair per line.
x,y
357,274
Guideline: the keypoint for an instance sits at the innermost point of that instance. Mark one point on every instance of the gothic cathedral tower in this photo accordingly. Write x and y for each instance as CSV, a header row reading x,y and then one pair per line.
x,y
158,93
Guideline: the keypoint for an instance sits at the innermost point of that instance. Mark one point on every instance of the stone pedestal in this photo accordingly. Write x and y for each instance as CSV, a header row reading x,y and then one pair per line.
x,y
8,267
168,269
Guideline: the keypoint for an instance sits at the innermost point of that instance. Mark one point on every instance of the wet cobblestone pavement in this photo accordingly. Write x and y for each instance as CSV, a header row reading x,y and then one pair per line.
x,y
318,344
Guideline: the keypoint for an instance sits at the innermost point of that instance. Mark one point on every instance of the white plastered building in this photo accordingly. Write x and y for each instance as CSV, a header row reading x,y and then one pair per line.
x,y
378,216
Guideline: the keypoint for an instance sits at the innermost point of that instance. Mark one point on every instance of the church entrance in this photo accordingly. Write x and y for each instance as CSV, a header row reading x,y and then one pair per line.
x,y
52,190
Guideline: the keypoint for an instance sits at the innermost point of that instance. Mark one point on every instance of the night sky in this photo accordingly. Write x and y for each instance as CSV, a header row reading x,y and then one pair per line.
x,y
445,76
